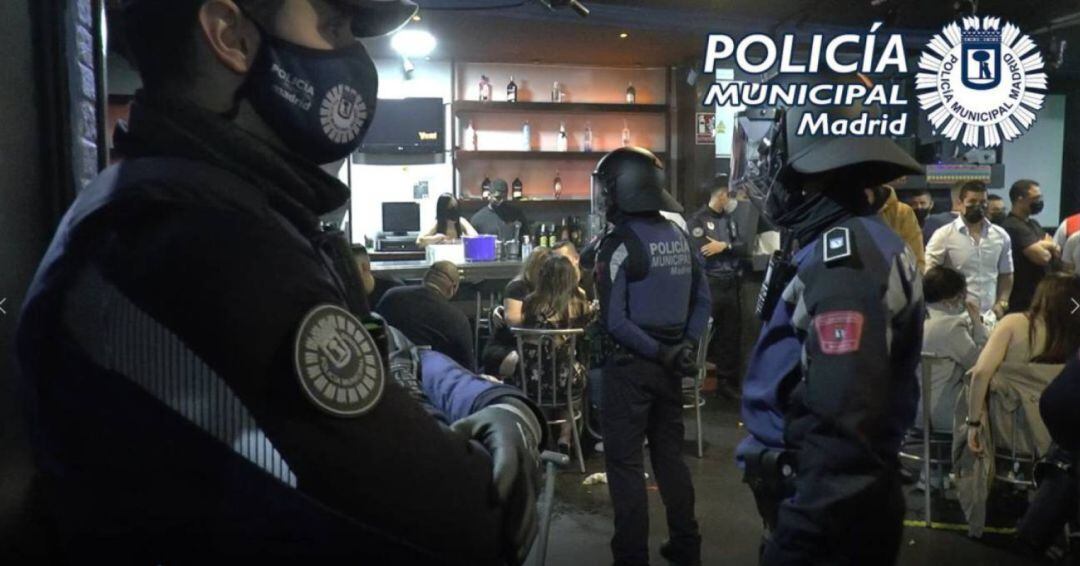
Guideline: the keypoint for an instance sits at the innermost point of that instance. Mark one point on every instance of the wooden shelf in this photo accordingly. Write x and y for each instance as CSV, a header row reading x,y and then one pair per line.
x,y
472,106
461,155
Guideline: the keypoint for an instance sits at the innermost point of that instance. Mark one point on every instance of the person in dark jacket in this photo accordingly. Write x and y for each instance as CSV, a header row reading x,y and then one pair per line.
x,y
654,305
426,316
204,377
831,388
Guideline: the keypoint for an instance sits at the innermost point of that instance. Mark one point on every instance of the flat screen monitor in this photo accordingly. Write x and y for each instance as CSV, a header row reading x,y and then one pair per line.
x,y
401,217
410,125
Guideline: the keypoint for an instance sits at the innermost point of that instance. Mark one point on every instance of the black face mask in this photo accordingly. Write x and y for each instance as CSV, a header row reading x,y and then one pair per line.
x,y
997,217
319,102
921,214
974,214
1037,206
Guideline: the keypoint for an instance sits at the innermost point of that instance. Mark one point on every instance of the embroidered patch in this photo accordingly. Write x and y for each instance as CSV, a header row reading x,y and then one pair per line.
x,y
711,225
837,244
338,363
839,332
698,232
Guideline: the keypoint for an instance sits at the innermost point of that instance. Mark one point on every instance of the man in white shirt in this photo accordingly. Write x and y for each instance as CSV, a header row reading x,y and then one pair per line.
x,y
1070,256
980,250
1067,228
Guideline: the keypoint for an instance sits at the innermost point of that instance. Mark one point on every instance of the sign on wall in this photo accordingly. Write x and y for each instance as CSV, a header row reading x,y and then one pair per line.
x,y
725,116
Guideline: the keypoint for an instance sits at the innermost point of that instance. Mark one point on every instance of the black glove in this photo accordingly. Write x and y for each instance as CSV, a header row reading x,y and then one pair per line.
x,y
511,433
679,359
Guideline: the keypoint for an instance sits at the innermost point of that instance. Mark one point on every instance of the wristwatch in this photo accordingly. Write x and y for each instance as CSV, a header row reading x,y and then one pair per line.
x,y
972,423
1003,304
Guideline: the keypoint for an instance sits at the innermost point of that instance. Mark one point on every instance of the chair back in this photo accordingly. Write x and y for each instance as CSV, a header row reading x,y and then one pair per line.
x,y
555,356
703,353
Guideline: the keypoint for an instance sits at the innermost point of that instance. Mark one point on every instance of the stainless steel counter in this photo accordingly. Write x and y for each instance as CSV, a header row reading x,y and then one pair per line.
x,y
472,272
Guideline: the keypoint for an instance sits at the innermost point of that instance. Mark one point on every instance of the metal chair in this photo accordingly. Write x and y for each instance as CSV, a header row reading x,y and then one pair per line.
x,y
553,397
1020,469
930,438
483,321
692,398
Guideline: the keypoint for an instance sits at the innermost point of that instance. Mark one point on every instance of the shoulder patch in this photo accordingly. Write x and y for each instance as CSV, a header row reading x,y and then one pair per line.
x,y
839,332
338,363
836,244
698,232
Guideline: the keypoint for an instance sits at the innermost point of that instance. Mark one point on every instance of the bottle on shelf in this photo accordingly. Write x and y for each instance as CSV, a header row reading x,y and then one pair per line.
x,y
586,142
526,137
556,92
557,185
565,234
526,246
470,137
575,231
485,188
631,94
511,90
485,89
517,190
562,143
545,236
625,134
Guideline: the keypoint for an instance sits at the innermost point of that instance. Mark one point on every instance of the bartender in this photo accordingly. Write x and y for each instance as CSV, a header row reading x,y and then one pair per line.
x,y
498,217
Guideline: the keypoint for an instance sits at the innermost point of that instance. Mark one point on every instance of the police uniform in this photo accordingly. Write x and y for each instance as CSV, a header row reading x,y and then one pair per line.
x,y
723,271
206,381
832,384
653,295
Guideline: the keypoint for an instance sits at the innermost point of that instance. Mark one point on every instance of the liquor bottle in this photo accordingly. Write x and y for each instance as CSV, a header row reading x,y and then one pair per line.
x,y
586,143
517,189
557,185
485,89
565,233
485,188
526,137
470,137
526,246
631,94
556,92
562,143
625,134
575,231
511,90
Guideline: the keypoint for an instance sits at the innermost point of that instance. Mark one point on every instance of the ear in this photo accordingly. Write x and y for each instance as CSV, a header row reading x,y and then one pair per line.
x,y
229,35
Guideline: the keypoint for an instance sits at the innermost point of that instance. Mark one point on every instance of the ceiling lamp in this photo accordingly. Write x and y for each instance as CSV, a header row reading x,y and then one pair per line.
x,y
413,43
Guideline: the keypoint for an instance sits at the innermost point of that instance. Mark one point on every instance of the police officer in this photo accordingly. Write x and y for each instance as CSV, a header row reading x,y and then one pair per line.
x,y
716,237
831,386
205,376
654,304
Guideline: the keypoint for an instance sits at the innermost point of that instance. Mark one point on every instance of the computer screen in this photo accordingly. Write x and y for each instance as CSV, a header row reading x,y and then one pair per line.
x,y
401,217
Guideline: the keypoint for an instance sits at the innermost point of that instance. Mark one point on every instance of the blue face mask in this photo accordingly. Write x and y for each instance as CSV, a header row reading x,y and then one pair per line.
x,y
319,102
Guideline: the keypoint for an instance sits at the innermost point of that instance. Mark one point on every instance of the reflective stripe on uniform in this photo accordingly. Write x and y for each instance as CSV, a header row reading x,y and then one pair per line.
x,y
119,336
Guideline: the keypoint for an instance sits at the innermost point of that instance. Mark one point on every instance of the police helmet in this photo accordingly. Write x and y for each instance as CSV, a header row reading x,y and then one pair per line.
x,y
632,180
371,18
772,162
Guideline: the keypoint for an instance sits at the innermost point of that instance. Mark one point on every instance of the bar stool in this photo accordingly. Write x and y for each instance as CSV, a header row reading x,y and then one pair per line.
x,y
692,397
561,347
483,321
930,438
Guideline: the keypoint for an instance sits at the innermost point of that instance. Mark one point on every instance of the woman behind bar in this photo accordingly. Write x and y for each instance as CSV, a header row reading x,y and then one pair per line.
x,y
500,354
557,303
449,225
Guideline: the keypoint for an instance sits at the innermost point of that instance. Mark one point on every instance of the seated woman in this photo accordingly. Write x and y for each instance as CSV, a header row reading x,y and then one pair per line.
x,y
449,225
556,303
953,336
499,357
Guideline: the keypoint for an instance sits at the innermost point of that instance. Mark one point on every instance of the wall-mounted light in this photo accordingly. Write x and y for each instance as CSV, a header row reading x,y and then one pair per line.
x,y
413,43
624,35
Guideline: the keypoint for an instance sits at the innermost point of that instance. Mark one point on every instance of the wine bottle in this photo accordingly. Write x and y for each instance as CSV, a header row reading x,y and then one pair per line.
x,y
556,92
485,188
562,143
470,137
511,90
625,134
526,137
586,143
485,89
557,185
517,189
631,94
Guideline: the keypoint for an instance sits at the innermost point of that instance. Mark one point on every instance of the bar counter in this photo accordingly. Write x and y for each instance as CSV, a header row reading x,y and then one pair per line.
x,y
471,272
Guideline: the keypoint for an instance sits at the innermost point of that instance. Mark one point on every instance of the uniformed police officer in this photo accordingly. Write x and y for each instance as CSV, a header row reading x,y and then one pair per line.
x,y
831,387
205,376
654,304
716,237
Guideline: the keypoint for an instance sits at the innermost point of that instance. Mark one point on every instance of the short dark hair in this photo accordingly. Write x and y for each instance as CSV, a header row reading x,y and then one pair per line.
x,y
941,283
971,187
920,193
994,197
158,37
1021,188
